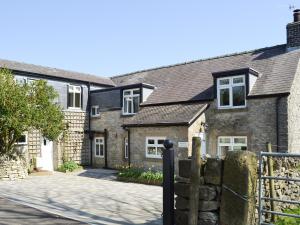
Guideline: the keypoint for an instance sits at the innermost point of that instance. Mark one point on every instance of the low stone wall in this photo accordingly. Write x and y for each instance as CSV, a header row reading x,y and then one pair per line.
x,y
226,192
209,192
285,190
13,169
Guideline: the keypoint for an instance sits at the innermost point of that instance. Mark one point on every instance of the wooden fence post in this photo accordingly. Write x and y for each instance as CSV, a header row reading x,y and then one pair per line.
x,y
195,181
271,181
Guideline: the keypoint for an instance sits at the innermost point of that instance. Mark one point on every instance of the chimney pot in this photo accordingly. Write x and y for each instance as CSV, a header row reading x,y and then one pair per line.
x,y
296,15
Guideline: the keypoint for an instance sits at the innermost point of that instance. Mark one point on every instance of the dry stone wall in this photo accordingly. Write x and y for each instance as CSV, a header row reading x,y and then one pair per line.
x,y
285,190
209,192
13,169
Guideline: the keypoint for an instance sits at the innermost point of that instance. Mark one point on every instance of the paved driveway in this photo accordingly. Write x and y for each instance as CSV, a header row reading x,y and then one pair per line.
x,y
88,199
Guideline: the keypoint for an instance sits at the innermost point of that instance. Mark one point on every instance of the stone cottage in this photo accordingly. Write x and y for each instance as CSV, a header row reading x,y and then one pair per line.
x,y
234,102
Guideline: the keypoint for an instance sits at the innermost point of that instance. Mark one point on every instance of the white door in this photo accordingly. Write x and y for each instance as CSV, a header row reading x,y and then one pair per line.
x,y
45,162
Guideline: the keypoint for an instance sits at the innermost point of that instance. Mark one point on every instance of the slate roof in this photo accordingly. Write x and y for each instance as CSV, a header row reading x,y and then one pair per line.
x,y
181,114
194,81
54,72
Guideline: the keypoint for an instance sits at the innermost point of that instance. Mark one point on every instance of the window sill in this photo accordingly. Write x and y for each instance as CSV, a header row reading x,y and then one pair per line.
x,y
154,158
99,157
128,115
231,110
95,117
74,110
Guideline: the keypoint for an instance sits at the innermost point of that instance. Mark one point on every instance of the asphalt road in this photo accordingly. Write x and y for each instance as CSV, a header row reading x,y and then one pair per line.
x,y
12,213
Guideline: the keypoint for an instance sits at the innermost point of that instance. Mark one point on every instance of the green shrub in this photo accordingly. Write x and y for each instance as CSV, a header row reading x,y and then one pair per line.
x,y
139,175
69,166
284,220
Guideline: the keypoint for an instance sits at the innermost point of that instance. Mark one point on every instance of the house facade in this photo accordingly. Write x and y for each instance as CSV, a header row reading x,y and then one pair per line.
x,y
73,89
234,102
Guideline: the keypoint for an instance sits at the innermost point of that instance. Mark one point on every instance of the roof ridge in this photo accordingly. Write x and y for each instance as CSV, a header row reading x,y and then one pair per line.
x,y
48,67
198,60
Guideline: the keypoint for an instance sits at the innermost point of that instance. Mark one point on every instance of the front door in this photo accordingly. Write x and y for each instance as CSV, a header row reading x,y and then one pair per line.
x,y
46,159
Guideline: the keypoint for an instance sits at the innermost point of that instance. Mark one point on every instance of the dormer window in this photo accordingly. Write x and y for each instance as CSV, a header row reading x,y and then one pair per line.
x,y
231,92
131,101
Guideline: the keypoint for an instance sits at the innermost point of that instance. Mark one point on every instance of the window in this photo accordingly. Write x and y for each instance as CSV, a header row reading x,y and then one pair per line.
x,y
22,140
131,101
99,147
74,97
95,111
231,92
226,144
154,147
126,148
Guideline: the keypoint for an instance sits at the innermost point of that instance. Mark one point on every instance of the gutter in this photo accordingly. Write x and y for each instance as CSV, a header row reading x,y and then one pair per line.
x,y
105,148
277,121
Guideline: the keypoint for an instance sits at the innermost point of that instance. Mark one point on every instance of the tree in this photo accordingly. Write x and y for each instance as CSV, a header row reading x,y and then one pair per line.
x,y
24,107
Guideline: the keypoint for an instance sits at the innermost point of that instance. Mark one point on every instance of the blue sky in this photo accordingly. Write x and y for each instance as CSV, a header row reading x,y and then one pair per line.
x,y
110,37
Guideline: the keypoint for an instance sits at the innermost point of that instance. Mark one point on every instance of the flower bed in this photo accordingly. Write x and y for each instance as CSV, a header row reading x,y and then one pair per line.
x,y
138,175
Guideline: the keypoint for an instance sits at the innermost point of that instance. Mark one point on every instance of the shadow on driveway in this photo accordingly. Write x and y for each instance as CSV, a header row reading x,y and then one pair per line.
x,y
12,213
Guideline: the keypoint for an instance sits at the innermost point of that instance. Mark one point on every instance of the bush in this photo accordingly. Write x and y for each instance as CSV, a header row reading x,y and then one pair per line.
x,y
69,166
283,220
138,175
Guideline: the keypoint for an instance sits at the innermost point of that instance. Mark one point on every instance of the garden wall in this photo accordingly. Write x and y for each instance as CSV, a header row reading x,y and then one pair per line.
x,y
13,169
285,190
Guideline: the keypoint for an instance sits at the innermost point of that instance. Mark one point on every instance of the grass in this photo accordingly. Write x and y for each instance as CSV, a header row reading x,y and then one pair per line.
x,y
139,175
283,220
69,166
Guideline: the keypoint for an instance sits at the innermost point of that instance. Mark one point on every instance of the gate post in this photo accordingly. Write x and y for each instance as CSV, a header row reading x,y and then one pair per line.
x,y
168,183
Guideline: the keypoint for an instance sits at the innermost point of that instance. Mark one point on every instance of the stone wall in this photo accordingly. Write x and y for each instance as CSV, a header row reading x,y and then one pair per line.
x,y
285,190
112,121
13,169
138,144
224,185
193,130
209,192
257,122
294,115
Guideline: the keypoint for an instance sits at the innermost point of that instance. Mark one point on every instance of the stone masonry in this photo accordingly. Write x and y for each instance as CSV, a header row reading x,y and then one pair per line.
x,y
13,169
209,192
257,122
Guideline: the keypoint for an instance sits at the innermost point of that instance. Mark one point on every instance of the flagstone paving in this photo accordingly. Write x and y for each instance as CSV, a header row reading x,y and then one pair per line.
x,y
88,197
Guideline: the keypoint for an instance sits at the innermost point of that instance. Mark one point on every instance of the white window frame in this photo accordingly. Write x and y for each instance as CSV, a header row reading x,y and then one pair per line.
x,y
230,87
156,145
127,97
26,141
74,91
126,150
97,110
231,144
99,143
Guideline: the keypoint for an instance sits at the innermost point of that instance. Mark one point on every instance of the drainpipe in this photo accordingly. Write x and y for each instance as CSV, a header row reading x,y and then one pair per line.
x,y
105,148
128,138
89,123
277,122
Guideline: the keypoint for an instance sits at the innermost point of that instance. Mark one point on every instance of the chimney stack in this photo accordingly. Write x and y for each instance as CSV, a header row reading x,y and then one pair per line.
x,y
293,32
